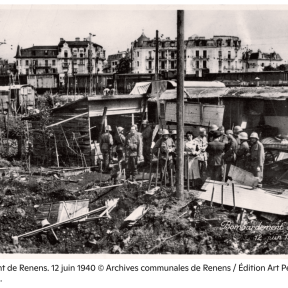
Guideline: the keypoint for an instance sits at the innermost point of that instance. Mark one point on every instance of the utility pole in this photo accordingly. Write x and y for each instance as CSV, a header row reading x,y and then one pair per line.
x,y
156,56
180,105
90,64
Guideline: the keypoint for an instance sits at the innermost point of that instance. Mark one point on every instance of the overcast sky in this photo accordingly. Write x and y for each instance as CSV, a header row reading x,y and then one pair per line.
x,y
116,29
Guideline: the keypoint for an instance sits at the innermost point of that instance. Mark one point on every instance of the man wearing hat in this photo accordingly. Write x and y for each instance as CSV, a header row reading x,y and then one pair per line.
x,y
119,142
215,150
106,143
167,149
230,152
133,151
147,140
243,152
257,157
202,143
212,129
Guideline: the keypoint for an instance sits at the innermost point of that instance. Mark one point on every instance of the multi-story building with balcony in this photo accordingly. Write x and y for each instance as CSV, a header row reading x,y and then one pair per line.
x,y
67,57
216,55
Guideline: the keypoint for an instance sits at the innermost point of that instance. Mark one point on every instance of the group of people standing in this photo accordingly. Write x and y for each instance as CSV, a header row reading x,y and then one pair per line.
x,y
132,147
205,155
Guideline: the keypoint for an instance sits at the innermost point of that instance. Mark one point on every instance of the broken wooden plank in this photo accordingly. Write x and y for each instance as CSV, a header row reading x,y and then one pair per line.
x,y
58,224
66,120
245,197
103,187
68,173
241,176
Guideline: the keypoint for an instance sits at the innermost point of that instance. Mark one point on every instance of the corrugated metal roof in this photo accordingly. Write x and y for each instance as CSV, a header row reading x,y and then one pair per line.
x,y
140,88
265,93
203,84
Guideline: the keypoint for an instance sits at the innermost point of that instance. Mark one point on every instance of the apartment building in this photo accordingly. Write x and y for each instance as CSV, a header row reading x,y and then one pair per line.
x,y
256,61
113,60
215,55
66,57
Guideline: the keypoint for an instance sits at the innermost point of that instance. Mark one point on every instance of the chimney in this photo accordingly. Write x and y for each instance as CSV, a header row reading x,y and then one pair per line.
x,y
77,39
61,39
84,39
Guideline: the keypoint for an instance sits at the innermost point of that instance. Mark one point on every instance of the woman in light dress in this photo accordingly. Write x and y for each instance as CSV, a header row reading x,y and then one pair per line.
x,y
191,152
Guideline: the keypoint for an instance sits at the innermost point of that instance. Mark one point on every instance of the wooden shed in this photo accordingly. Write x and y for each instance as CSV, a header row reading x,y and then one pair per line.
x,y
17,97
75,128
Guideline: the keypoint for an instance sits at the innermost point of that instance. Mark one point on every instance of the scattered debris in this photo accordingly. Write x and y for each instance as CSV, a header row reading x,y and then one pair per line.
x,y
136,215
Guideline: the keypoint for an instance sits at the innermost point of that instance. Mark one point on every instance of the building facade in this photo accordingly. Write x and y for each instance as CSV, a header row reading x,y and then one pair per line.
x,y
6,67
256,61
66,57
215,55
113,60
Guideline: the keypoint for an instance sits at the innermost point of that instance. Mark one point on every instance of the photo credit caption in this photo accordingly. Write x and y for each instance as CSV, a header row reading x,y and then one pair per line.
x,y
60,268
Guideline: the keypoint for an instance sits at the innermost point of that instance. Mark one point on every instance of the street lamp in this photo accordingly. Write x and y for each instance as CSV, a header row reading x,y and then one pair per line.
x,y
90,63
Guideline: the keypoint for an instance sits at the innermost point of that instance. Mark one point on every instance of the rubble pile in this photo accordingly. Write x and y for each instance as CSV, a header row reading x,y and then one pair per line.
x,y
169,225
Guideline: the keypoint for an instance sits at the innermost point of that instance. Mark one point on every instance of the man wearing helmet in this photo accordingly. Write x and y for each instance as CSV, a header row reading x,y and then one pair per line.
x,y
119,142
243,152
147,140
236,131
167,148
257,157
230,152
223,137
133,151
106,143
212,129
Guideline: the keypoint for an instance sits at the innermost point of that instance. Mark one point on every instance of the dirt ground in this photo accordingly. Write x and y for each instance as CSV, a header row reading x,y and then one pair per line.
x,y
169,227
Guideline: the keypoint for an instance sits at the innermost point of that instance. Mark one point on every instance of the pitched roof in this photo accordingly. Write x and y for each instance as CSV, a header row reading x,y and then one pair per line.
x,y
42,48
77,44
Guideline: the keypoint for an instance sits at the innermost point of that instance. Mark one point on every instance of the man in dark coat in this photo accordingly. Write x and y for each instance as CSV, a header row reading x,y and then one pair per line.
x,y
133,151
167,149
119,142
147,140
106,143
230,152
243,152
215,150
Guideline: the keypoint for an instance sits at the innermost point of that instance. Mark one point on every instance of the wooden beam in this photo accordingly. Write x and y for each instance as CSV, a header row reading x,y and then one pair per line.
x,y
180,105
58,123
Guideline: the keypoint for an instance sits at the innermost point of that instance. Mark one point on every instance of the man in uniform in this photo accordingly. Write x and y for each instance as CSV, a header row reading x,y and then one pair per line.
x,y
147,140
223,137
257,157
212,129
167,149
215,150
133,151
119,142
230,152
243,152
202,144
236,131
106,143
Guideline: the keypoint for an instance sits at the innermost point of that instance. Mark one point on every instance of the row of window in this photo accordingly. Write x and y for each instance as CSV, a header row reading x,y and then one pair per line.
x,y
35,63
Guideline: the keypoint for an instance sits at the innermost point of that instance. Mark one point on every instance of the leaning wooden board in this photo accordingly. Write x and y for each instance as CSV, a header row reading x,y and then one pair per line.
x,y
61,211
252,199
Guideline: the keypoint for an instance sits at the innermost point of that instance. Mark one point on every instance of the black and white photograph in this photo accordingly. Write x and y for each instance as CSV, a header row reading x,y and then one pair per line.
x,y
143,130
